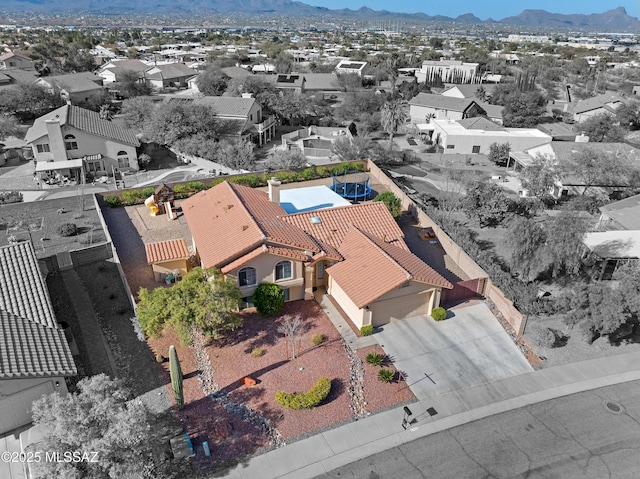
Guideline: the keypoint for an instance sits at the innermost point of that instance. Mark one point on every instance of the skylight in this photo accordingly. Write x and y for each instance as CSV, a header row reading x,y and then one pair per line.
x,y
315,220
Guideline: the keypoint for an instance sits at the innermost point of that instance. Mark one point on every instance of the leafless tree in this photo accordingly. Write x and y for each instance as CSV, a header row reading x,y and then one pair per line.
x,y
292,328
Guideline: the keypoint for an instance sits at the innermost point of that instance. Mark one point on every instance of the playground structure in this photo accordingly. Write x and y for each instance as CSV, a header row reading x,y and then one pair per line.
x,y
355,186
162,201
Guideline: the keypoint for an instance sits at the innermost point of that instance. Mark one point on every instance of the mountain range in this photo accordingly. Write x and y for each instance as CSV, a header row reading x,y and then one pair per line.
x,y
612,20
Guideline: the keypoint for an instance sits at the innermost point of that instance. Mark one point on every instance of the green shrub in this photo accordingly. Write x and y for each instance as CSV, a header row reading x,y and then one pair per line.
x,y
257,352
311,398
196,186
375,359
317,339
181,191
68,229
386,375
112,200
392,202
367,330
438,314
268,299
309,174
131,197
148,191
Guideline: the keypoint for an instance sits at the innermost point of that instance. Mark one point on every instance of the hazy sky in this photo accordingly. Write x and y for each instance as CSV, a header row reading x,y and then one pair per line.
x,y
496,9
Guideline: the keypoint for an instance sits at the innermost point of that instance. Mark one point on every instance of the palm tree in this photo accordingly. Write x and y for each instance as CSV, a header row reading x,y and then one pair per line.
x,y
393,114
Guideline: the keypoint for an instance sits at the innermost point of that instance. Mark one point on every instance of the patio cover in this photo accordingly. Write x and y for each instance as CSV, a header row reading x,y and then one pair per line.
x,y
614,244
58,165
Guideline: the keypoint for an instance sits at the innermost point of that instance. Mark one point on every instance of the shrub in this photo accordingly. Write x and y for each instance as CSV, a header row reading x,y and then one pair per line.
x,y
386,375
181,191
309,174
159,358
131,197
257,352
375,359
148,191
7,197
393,203
317,339
196,186
112,200
367,330
67,229
311,398
268,299
438,314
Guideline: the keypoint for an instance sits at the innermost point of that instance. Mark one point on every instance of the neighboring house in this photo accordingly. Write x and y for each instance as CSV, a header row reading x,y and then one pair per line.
x,y
348,66
113,71
559,151
35,357
72,141
243,115
9,78
476,91
356,252
74,87
325,84
620,215
606,103
10,61
293,83
448,71
425,106
558,131
172,75
236,72
476,135
314,141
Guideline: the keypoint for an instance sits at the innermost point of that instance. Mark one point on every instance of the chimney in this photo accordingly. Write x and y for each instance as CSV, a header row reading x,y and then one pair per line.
x,y
56,140
274,190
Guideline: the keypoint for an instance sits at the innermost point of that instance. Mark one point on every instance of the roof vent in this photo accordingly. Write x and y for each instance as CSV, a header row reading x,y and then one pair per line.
x,y
245,227
316,220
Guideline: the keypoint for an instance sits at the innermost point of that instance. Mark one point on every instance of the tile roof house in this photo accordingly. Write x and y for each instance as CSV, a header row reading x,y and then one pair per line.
x,y
425,106
113,71
73,141
606,103
172,75
13,60
168,259
74,87
35,356
356,252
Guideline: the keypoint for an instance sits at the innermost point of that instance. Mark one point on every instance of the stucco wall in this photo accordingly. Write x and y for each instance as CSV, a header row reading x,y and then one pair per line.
x,y
356,314
13,386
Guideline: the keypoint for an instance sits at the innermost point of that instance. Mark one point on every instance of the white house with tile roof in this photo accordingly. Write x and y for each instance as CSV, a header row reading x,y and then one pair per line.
x,y
171,75
113,71
356,252
71,141
11,60
74,87
35,357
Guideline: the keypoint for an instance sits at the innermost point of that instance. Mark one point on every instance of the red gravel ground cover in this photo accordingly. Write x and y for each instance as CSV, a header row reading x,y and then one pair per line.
x,y
232,360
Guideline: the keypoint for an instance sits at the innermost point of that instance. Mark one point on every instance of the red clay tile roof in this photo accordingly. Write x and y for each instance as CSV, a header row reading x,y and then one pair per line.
x,y
229,220
31,342
372,268
275,250
29,349
334,223
166,251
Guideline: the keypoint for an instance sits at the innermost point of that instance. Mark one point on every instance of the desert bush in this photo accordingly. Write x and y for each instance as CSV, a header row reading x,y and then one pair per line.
x,y
392,202
257,352
112,200
317,339
196,185
131,197
68,229
148,191
386,375
367,330
8,197
438,314
375,359
311,398
268,299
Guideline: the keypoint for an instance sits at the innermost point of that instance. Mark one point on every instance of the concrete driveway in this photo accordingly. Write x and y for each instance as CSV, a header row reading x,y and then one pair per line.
x,y
467,349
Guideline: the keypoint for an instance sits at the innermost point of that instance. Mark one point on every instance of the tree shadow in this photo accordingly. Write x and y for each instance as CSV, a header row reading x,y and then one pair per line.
x,y
255,375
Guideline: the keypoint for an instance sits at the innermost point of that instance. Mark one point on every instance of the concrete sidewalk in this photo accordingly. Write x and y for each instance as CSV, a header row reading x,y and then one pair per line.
x,y
326,451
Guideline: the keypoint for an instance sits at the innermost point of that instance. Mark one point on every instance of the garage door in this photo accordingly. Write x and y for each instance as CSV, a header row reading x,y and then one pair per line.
x,y
399,308
15,410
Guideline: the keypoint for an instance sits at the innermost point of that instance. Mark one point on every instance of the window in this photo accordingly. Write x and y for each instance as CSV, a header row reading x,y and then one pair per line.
x,y
93,166
283,270
44,148
450,147
247,277
476,149
286,294
320,270
123,159
246,302
70,142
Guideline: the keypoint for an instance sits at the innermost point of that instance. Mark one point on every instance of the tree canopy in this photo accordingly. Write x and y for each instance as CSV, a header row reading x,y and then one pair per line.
x,y
602,129
100,417
9,126
202,300
212,81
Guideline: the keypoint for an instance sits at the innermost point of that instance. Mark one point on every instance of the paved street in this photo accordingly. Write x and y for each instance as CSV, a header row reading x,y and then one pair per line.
x,y
570,437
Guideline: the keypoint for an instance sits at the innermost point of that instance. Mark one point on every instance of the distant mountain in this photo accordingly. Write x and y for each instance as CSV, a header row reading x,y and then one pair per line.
x,y
612,20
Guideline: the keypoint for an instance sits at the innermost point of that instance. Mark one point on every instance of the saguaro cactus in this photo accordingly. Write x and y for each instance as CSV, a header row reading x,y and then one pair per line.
x,y
176,376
